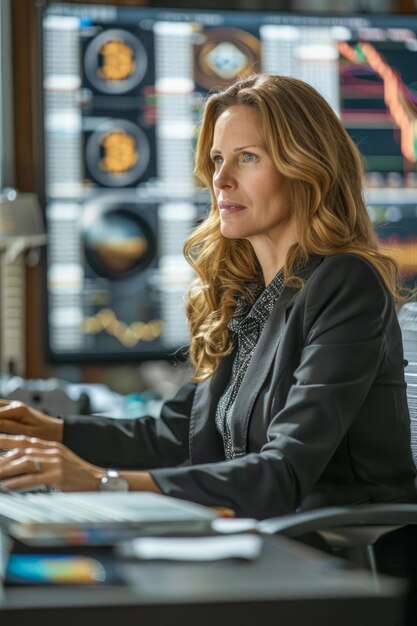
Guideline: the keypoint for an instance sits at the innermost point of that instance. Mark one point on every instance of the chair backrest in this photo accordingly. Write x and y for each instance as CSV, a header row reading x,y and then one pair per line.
x,y
407,318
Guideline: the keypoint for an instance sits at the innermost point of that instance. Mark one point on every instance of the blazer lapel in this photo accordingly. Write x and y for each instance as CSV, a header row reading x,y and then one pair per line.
x,y
206,444
261,361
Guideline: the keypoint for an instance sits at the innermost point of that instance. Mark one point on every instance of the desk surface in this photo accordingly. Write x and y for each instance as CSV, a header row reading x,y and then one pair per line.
x,y
289,584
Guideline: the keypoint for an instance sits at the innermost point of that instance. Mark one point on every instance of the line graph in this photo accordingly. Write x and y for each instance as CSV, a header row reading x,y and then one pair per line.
x,y
399,100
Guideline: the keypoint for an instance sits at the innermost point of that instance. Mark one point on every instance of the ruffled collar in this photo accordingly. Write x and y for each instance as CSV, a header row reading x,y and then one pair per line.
x,y
262,307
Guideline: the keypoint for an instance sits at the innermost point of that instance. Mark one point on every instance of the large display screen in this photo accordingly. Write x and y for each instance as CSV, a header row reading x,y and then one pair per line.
x,y
122,95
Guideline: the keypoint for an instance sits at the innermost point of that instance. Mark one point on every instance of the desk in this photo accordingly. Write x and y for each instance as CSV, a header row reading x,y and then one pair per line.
x,y
288,585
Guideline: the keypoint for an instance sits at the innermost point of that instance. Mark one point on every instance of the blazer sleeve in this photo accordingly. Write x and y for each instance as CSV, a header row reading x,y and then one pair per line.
x,y
345,305
134,443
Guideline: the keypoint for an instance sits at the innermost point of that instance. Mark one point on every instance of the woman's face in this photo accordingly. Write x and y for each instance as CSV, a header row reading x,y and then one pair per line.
x,y
252,196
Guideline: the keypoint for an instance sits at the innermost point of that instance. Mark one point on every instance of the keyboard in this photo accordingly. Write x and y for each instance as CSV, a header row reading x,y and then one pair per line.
x,y
96,518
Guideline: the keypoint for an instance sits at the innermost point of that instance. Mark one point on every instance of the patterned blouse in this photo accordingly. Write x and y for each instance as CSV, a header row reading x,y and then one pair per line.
x,y
247,328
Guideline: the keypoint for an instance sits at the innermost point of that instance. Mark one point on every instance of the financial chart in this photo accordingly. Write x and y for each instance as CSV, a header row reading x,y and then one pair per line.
x,y
122,95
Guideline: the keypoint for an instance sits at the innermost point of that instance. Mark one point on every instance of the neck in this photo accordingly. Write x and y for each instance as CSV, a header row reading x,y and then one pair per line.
x,y
270,272
272,255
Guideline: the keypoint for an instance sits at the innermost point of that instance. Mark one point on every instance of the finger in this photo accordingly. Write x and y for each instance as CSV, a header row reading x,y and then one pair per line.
x,y
14,412
15,453
13,405
13,441
21,482
43,453
38,466
11,453
24,473
21,441
11,426
4,402
28,480
17,466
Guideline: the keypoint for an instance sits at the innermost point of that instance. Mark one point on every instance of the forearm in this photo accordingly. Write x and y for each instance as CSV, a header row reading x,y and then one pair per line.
x,y
137,481
256,485
134,444
33,462
124,443
140,481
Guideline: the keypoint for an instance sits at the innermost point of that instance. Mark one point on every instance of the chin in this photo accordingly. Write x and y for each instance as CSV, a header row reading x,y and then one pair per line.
x,y
231,233
228,235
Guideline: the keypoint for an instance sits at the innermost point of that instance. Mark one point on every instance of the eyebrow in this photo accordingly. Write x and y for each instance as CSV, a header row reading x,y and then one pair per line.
x,y
216,151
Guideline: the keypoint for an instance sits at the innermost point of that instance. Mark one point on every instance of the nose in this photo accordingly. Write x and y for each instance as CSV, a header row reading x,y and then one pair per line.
x,y
223,177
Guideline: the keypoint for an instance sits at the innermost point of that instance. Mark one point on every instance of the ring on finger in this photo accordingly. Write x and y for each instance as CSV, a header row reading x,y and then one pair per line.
x,y
37,464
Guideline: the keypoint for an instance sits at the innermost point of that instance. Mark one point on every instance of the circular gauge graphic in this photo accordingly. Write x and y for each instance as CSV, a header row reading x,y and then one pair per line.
x,y
115,61
118,243
117,153
224,55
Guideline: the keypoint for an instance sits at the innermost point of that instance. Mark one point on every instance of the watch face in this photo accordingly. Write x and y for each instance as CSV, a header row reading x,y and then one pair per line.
x,y
112,481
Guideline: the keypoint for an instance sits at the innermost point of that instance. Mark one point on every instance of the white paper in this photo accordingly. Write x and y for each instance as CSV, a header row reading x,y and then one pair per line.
x,y
233,525
242,546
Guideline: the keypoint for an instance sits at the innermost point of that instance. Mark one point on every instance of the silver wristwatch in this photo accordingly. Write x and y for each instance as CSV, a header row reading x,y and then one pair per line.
x,y
112,481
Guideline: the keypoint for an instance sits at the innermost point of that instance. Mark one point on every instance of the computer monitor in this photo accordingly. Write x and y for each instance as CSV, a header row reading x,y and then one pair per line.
x,y
122,94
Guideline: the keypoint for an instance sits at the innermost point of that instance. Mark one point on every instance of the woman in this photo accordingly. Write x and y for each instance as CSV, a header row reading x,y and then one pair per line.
x,y
298,398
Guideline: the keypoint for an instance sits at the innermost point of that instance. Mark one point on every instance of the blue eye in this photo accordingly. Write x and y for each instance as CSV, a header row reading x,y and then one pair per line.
x,y
249,157
217,159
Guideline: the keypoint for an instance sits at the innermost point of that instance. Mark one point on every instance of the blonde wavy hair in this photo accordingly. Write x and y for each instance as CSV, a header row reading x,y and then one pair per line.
x,y
310,147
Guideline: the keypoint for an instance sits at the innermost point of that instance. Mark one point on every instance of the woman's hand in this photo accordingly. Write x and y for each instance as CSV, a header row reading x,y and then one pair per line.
x,y
16,418
32,461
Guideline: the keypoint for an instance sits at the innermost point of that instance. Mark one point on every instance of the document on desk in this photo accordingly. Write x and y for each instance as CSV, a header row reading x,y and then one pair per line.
x,y
243,546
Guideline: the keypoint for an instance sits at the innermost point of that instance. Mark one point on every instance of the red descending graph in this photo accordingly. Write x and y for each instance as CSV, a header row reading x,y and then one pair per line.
x,y
396,95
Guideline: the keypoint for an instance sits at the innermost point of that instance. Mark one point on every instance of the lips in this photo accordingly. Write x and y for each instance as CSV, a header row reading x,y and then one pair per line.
x,y
228,206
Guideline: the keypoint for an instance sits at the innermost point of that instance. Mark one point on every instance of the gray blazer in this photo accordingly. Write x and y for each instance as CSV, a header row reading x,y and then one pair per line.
x,y
321,416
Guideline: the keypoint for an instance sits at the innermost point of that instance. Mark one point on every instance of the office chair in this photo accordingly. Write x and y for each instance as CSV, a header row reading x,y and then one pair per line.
x,y
354,530
408,322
